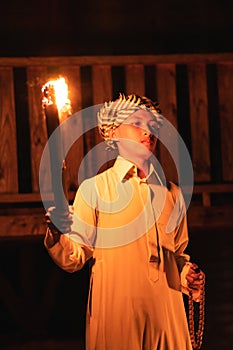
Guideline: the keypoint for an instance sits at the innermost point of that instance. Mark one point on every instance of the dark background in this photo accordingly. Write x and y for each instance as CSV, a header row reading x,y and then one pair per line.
x,y
56,27
53,317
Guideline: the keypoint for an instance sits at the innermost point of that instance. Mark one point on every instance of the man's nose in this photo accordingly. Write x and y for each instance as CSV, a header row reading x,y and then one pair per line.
x,y
146,129
149,134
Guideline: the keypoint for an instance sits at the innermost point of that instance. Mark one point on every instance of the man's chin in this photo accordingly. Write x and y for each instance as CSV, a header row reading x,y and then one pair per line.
x,y
144,152
148,149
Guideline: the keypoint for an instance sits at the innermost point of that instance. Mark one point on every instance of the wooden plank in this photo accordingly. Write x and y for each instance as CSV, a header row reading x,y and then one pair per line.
x,y
199,121
75,153
166,93
102,83
22,225
206,200
225,91
36,198
135,81
36,79
210,217
34,224
8,146
114,60
22,197
102,91
210,188
29,197
213,188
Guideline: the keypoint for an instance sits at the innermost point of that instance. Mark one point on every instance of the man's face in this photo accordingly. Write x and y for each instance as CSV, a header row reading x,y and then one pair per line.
x,y
137,135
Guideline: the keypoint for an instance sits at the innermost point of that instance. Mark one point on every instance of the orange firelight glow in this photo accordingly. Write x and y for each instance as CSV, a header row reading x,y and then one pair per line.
x,y
56,92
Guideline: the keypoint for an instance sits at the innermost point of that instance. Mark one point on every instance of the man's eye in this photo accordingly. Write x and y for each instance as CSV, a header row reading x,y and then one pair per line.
x,y
154,127
136,123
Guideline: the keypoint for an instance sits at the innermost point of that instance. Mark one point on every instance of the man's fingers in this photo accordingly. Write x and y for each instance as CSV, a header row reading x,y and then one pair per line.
x,y
60,220
194,281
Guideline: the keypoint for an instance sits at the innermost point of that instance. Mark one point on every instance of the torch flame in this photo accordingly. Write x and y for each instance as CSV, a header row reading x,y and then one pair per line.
x,y
56,91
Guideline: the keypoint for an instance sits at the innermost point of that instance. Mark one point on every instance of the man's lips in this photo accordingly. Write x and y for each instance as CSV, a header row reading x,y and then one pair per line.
x,y
148,142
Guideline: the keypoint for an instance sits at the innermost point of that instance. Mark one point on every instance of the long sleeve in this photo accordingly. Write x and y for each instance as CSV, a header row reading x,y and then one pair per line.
x,y
73,249
66,253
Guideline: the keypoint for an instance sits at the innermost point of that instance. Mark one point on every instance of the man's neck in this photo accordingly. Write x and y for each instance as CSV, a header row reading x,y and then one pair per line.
x,y
141,164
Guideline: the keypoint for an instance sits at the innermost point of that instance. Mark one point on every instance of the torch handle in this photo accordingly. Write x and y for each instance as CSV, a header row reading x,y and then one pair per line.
x,y
64,180
52,119
58,172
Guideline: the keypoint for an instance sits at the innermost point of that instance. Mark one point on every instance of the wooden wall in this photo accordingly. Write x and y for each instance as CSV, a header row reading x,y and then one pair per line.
x,y
195,94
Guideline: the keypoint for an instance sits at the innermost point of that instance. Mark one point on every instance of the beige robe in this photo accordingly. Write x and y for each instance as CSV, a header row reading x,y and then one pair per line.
x,y
138,268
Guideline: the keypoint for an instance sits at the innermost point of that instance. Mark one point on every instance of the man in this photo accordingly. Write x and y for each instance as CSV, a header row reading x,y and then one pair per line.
x,y
132,226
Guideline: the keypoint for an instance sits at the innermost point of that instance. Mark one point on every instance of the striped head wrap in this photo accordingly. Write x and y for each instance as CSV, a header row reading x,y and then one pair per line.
x,y
115,112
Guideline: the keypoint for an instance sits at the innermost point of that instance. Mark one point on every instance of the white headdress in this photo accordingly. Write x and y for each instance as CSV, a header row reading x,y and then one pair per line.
x,y
113,113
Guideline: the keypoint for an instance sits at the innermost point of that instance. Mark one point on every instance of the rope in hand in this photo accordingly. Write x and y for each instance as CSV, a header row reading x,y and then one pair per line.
x,y
197,336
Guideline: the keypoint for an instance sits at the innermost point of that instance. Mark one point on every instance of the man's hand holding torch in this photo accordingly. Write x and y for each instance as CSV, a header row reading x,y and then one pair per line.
x,y
59,216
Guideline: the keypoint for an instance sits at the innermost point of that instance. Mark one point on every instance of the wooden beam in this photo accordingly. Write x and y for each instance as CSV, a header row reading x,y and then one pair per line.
x,y
225,90
101,83
135,81
22,225
213,188
102,91
166,92
7,198
199,121
75,153
34,223
22,197
115,60
210,217
36,77
8,137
